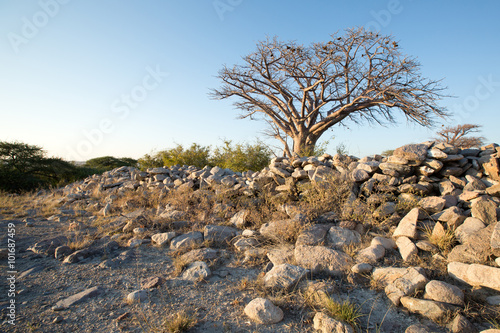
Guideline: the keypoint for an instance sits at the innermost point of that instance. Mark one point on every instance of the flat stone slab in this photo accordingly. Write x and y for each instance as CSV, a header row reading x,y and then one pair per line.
x,y
77,298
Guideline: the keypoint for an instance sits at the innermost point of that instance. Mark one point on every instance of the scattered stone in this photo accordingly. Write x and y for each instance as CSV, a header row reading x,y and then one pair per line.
x,y
77,298
476,275
313,235
284,276
48,246
430,309
186,241
407,249
460,324
411,280
281,255
243,244
196,271
340,237
263,311
320,259
219,234
327,324
485,210
444,292
57,320
371,254
408,225
418,328
151,282
432,204
62,251
164,238
138,296
362,268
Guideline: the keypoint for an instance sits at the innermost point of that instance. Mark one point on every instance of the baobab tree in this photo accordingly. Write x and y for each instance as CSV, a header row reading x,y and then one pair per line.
x,y
459,136
302,91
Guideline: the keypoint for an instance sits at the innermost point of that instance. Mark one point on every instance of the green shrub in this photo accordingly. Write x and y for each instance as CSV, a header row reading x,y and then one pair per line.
x,y
241,157
195,155
106,163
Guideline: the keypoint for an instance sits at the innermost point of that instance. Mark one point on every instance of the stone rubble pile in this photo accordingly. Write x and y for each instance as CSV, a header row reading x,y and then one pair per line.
x,y
451,190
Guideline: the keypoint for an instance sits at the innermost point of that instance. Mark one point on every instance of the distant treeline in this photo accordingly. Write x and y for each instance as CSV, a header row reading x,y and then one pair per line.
x,y
25,167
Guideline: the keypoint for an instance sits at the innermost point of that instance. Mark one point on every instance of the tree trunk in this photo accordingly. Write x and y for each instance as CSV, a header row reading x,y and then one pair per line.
x,y
304,145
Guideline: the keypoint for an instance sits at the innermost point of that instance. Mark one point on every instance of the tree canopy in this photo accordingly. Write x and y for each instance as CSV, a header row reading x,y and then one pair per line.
x,y
459,136
302,91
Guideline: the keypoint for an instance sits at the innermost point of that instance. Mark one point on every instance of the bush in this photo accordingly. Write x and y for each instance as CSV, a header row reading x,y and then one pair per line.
x,y
241,157
106,163
195,155
237,157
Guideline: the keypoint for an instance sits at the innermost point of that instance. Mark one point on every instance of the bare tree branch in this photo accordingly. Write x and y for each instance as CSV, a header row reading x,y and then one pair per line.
x,y
304,91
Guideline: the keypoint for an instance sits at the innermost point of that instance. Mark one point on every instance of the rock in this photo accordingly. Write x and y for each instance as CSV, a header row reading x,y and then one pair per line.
x,y
430,309
284,276
371,254
437,154
243,244
460,324
77,298
408,225
474,184
493,300
262,311
164,238
413,152
138,296
495,240
408,282
196,271
492,168
476,275
387,243
48,246
151,282
494,190
440,291
407,249
452,216
470,226
320,259
240,219
432,204
485,210
340,237
426,246
62,251
282,229
204,254
359,175
476,249
186,241
33,270
385,210
281,255
362,268
418,328
313,235
327,324
136,242
219,234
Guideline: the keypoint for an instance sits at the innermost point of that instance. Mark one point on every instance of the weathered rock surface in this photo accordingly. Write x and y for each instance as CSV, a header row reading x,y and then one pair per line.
x,y
263,311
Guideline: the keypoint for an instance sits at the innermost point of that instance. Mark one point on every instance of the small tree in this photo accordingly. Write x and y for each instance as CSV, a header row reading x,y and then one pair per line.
x,y
302,91
458,136
241,157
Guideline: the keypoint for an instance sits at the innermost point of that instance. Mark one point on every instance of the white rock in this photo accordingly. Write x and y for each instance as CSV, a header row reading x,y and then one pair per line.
x,y
137,296
164,238
408,225
407,249
327,324
263,311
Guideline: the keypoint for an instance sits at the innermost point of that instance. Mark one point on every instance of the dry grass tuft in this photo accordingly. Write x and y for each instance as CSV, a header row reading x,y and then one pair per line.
x,y
180,322
445,242
344,311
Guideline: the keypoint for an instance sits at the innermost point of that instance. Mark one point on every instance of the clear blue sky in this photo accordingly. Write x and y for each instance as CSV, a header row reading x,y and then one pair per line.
x,y
67,68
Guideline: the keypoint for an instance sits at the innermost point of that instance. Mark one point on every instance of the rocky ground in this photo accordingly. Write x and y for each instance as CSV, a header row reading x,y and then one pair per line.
x,y
405,243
